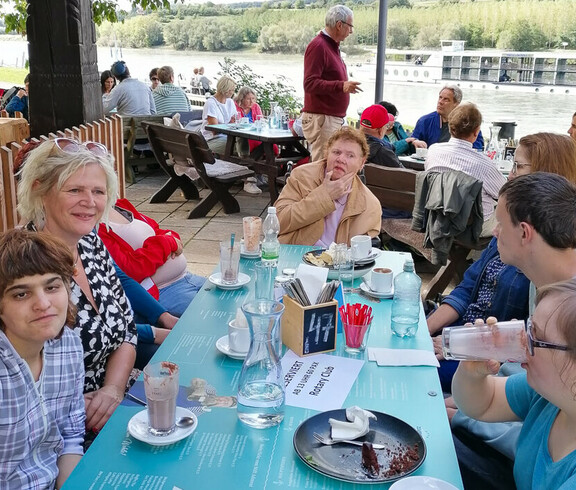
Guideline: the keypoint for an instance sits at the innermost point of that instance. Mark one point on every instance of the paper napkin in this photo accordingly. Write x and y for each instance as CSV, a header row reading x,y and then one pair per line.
x,y
358,425
313,279
402,357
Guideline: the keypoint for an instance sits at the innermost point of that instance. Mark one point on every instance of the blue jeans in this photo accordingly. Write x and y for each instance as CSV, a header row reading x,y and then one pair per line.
x,y
177,296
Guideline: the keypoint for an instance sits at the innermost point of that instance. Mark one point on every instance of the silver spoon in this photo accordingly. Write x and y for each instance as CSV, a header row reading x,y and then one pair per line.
x,y
182,422
365,281
185,422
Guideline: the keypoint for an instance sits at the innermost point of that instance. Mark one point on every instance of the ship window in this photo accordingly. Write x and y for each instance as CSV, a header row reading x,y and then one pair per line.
x,y
416,73
395,72
426,74
405,73
385,72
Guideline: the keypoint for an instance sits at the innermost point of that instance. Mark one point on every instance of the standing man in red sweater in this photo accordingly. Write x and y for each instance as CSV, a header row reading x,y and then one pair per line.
x,y
326,86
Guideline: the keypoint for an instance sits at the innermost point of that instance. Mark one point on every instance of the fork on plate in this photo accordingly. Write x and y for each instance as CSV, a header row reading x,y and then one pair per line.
x,y
329,441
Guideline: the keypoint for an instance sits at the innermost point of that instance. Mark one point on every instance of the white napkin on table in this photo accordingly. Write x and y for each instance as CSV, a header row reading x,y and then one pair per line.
x,y
402,357
358,425
313,279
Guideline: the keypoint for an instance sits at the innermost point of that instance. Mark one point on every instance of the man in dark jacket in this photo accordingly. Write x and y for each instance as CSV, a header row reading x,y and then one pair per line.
x,y
374,124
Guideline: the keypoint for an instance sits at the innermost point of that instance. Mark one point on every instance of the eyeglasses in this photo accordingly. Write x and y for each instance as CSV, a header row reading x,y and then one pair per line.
x,y
516,165
349,25
155,79
68,145
532,342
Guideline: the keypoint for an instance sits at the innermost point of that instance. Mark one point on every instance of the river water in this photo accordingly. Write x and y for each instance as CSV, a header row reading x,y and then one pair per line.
x,y
533,112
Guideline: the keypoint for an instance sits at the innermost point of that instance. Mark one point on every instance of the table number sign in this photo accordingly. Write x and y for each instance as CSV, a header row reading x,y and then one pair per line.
x,y
309,329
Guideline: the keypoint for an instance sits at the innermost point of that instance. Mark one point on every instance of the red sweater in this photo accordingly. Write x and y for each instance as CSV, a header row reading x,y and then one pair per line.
x,y
140,263
324,76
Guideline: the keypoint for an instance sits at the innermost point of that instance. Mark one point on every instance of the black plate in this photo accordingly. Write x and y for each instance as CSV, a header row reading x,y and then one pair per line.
x,y
344,461
361,264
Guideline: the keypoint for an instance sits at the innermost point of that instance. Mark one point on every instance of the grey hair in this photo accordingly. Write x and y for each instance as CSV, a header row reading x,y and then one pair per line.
x,y
456,91
243,92
338,13
47,167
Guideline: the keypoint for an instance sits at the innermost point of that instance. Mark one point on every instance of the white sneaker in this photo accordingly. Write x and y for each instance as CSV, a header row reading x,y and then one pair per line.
x,y
252,188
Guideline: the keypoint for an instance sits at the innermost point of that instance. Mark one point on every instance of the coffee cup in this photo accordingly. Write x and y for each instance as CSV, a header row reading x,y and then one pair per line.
x,y
381,279
238,337
421,152
361,246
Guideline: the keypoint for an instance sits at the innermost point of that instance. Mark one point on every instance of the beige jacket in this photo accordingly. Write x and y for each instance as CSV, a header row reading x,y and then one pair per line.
x,y
303,205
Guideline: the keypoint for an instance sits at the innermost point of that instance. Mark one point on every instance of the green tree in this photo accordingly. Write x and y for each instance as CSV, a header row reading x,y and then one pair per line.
x,y
278,90
399,3
101,9
522,36
398,35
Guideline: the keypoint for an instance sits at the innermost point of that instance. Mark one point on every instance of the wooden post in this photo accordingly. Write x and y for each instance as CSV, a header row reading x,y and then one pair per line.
x,y
64,81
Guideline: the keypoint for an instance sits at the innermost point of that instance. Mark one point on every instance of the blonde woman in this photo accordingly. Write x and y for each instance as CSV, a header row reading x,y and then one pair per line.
x,y
66,189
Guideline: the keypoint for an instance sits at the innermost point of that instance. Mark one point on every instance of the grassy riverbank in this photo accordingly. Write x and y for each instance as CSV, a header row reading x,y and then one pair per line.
x,y
13,76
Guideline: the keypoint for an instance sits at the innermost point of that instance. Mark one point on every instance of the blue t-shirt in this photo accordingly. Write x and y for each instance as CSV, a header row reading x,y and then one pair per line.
x,y
533,467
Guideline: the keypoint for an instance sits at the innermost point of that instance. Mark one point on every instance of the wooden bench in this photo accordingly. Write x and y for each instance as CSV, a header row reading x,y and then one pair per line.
x,y
189,147
395,188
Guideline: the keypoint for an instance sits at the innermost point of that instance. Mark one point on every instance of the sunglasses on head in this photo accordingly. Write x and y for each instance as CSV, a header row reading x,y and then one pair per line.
x,y
68,145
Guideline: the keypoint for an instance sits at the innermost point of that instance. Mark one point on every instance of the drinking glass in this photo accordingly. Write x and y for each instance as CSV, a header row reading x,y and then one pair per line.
x,y
265,276
252,227
346,270
503,341
229,263
161,389
356,337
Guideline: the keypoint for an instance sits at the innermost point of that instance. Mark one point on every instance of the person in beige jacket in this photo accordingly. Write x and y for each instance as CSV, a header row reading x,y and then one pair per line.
x,y
325,201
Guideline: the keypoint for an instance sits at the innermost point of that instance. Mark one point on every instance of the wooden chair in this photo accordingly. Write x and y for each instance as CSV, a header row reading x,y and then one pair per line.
x,y
191,147
395,188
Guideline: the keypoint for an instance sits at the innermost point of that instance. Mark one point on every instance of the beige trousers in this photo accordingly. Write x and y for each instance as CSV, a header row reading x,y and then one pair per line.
x,y
317,130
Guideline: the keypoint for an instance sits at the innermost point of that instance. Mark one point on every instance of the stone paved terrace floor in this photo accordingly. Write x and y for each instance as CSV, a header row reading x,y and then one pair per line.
x,y
201,236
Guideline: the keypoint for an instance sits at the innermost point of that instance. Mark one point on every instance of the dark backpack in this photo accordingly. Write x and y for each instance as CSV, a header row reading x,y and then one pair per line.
x,y
7,96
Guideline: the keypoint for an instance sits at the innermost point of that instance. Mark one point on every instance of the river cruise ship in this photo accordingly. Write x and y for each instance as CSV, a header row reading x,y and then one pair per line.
x,y
548,72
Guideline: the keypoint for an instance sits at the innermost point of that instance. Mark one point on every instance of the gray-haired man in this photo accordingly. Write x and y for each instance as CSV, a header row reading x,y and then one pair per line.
x,y
433,128
326,86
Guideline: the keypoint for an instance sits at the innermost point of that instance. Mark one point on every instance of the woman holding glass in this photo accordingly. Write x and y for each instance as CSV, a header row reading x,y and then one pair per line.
x,y
66,189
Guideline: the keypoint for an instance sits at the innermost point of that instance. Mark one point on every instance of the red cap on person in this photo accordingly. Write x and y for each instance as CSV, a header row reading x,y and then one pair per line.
x,y
374,117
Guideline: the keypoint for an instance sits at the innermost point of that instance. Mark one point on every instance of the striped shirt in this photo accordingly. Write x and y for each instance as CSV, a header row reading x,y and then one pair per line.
x,y
458,154
169,99
40,421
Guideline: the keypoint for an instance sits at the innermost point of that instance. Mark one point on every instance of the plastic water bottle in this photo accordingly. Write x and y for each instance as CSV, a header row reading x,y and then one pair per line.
x,y
270,244
406,303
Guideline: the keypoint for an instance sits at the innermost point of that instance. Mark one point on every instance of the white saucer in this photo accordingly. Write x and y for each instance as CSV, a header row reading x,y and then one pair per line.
x,y
138,428
374,253
384,295
250,255
216,279
422,483
223,346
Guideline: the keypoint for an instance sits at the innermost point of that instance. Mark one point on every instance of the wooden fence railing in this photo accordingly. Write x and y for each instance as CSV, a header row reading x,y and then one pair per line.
x,y
107,131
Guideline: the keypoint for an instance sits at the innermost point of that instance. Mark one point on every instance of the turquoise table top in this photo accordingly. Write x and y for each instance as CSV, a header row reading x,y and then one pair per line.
x,y
223,452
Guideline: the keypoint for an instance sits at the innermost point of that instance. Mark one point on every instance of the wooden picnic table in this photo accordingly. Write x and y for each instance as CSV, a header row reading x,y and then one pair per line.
x,y
262,160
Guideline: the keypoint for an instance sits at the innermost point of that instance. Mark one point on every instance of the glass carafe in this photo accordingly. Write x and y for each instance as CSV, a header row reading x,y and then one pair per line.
x,y
261,392
493,148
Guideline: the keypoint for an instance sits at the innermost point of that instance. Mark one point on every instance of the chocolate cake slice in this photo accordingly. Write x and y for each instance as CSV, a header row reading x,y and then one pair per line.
x,y
369,459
